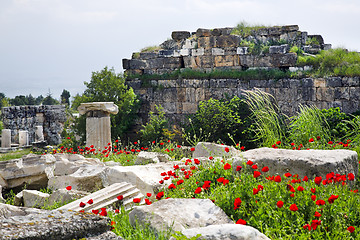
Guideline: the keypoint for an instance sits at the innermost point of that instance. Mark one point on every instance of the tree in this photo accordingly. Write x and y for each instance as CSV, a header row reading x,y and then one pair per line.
x,y
107,86
39,100
49,100
65,97
18,100
30,100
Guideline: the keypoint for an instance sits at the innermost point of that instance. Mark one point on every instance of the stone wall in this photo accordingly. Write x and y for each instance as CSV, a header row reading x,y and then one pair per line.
x,y
181,97
220,48
50,117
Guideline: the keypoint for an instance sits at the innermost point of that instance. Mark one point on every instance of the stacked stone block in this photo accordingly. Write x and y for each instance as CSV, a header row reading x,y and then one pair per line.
x,y
220,49
50,118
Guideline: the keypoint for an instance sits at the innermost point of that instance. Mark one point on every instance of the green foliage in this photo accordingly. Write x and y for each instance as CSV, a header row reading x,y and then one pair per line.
x,y
124,229
150,49
312,41
22,100
259,197
244,29
297,50
107,86
180,236
309,123
333,62
14,155
337,121
49,100
217,118
354,135
157,128
65,97
269,123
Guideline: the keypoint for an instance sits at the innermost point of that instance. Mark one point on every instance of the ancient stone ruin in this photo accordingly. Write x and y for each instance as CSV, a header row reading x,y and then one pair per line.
x,y
24,125
224,48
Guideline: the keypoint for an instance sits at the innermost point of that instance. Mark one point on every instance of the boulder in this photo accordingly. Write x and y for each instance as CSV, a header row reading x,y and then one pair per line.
x,y
179,214
69,163
180,35
64,196
86,178
32,170
34,198
302,162
144,177
225,232
206,149
151,157
25,223
282,49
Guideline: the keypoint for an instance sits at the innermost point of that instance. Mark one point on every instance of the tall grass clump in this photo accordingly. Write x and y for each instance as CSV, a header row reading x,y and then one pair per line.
x,y
309,123
269,122
244,29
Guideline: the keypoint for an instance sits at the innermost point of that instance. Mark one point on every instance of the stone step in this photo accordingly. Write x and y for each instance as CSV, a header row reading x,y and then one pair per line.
x,y
106,197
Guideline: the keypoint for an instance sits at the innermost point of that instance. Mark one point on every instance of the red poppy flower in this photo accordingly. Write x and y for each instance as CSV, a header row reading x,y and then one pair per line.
x,y
196,161
148,194
161,143
103,212
211,158
179,182
117,211
198,190
293,207
278,142
68,188
147,201
242,148
226,181
332,198
315,224
280,204
257,174
159,195
95,211
227,166
265,169
311,140
172,186
241,221
317,214
300,188
260,187
307,226
136,200
238,168
120,197
192,149
305,179
82,204
292,144
237,203
351,229
318,180
277,178
161,181
320,202
227,149
292,195
255,191
313,197
90,201
206,185
351,177
313,190
288,175
220,180
249,162
254,167
68,138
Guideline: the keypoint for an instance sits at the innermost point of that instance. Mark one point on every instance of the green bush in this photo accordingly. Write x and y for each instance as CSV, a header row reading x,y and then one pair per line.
x,y
244,29
337,120
224,120
157,128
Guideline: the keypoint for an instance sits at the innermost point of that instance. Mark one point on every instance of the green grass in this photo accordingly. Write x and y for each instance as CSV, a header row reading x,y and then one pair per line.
x,y
14,155
245,29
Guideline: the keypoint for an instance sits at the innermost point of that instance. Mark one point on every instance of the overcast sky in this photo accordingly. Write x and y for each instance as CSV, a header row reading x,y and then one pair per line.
x,y
51,45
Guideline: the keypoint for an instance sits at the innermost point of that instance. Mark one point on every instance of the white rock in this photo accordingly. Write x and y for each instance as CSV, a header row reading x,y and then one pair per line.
x,y
108,107
7,211
34,198
86,178
34,170
151,157
302,162
144,177
225,232
69,163
206,149
18,199
179,214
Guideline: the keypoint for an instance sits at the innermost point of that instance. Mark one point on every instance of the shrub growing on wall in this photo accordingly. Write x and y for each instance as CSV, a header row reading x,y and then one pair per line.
x,y
224,120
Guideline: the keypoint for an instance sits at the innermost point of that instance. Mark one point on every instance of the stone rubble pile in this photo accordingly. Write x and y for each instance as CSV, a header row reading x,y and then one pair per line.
x,y
221,48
